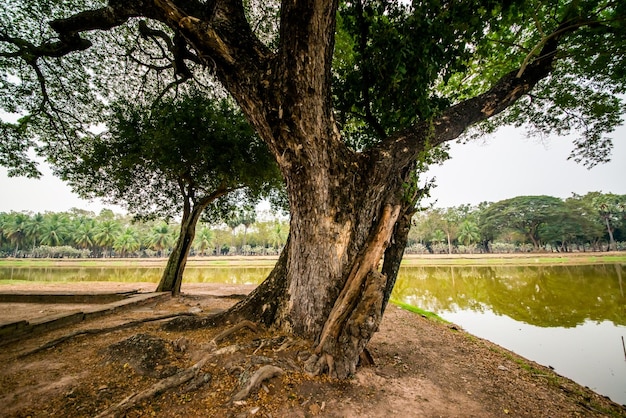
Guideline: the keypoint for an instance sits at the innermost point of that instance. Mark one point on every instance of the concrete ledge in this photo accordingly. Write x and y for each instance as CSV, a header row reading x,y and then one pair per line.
x,y
8,328
13,331
64,297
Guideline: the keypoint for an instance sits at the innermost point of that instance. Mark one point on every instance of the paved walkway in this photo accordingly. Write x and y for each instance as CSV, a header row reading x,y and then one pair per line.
x,y
28,312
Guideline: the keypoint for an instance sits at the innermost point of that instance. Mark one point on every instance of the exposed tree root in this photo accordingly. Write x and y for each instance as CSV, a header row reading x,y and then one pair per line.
x,y
264,373
165,384
196,322
236,296
191,374
95,331
226,333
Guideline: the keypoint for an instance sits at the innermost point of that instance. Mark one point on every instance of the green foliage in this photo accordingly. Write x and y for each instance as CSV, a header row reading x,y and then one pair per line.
x,y
59,98
584,93
524,223
181,151
391,59
524,214
109,235
468,233
395,64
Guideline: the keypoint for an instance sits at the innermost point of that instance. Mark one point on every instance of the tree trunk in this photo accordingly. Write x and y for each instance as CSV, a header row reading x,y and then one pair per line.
x,y
172,277
395,251
346,206
612,245
327,286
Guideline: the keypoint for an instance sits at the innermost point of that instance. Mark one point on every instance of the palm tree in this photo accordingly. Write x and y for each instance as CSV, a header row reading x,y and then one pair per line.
x,y
279,235
233,223
204,239
469,232
35,228
106,233
15,229
247,218
160,237
83,233
55,229
127,242
438,236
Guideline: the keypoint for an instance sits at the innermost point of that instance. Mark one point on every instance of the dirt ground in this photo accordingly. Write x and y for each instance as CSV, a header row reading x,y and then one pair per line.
x,y
422,368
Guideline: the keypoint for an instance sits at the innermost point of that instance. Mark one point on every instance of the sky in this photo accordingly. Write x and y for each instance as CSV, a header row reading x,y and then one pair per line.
x,y
510,164
505,165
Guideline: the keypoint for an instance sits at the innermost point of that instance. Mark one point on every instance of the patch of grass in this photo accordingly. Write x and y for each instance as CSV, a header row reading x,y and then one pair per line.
x,y
552,378
512,259
9,281
426,314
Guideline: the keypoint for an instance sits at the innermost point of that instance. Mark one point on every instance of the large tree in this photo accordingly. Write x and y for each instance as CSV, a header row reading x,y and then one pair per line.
x,y
408,78
527,215
175,159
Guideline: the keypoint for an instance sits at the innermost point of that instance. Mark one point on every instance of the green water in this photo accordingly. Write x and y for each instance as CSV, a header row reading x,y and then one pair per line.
x,y
545,296
572,318
229,275
569,317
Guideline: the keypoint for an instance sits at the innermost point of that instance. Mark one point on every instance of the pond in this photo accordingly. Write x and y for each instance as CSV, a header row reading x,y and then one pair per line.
x,y
571,318
229,275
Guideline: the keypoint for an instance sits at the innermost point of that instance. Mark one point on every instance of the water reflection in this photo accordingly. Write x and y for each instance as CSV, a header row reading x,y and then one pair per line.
x,y
230,275
569,317
545,296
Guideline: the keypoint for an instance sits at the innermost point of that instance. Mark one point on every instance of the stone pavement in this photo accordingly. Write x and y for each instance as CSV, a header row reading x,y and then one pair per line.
x,y
24,313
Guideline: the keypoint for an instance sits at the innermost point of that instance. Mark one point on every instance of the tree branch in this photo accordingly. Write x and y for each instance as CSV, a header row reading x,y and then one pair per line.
x,y
401,149
307,31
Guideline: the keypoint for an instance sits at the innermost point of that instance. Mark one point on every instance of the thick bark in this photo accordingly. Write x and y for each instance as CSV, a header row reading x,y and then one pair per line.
x,y
262,304
395,251
357,311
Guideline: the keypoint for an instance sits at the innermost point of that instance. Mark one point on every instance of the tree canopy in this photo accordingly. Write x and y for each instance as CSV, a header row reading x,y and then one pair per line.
x,y
181,152
394,65
176,158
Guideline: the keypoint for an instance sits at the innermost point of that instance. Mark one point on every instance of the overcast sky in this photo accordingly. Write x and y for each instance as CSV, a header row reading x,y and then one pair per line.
x,y
506,165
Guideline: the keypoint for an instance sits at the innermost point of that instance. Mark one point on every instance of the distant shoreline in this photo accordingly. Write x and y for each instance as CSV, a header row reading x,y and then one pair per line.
x,y
269,261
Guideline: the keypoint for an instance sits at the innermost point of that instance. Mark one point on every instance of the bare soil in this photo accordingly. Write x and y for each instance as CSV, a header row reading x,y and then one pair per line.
x,y
422,368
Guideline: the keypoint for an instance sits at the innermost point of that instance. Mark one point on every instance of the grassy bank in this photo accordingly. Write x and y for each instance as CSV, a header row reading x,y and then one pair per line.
x,y
235,261
513,259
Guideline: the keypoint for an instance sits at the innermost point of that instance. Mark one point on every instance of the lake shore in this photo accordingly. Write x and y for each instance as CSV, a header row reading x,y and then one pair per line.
x,y
268,261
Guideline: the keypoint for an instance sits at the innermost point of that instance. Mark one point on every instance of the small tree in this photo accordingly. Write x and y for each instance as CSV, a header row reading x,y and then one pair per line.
x,y
174,159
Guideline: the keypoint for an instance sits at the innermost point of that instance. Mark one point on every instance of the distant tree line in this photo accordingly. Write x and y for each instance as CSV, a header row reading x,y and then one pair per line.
x,y
593,222
82,234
